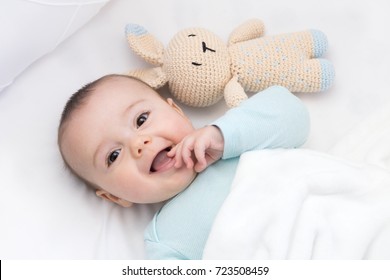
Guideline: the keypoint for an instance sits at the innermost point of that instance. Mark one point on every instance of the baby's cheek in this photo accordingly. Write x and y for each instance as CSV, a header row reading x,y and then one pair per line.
x,y
125,185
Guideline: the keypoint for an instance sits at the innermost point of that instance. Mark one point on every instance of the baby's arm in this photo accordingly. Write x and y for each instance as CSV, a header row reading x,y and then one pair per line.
x,y
273,118
205,144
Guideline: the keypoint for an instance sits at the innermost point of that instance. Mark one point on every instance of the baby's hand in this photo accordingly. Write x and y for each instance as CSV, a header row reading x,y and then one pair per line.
x,y
206,144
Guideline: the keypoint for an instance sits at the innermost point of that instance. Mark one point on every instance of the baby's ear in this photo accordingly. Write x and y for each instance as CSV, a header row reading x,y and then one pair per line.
x,y
175,106
112,198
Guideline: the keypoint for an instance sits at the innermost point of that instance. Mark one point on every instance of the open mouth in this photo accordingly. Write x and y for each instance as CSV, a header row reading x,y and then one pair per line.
x,y
161,161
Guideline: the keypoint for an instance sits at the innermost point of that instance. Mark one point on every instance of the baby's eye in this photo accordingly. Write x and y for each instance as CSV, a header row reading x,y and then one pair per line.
x,y
142,119
113,156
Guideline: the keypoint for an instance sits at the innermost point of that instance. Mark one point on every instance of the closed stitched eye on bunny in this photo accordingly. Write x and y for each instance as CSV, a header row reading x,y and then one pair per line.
x,y
249,62
204,49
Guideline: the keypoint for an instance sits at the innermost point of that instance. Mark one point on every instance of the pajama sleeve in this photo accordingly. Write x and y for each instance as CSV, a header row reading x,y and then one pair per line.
x,y
273,118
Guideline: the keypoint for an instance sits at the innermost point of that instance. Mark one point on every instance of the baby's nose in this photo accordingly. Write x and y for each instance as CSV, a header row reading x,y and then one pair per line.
x,y
139,144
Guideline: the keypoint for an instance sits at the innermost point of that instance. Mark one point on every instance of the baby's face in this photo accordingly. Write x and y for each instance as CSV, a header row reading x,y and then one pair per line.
x,y
119,139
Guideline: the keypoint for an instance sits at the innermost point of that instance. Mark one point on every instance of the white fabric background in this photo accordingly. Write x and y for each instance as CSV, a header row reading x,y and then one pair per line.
x,y
47,214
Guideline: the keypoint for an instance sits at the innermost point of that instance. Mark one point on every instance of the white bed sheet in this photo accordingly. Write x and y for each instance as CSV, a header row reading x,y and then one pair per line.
x,y
47,214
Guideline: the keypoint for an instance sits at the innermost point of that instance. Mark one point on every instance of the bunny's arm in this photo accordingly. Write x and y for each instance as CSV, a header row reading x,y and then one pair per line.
x,y
249,30
234,93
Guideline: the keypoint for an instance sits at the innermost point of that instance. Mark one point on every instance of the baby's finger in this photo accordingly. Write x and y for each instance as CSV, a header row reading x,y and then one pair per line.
x,y
199,152
178,157
172,152
187,155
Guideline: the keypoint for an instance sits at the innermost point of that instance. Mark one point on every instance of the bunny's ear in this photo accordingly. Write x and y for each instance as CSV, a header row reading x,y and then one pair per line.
x,y
144,44
249,30
154,77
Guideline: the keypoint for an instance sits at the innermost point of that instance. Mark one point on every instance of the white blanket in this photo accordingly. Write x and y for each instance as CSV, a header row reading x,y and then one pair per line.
x,y
299,204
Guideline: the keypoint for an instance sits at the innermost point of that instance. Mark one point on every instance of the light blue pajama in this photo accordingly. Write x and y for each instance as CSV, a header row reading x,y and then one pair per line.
x,y
273,118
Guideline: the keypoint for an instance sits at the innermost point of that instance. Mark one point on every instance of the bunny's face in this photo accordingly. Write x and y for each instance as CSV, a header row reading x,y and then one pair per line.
x,y
197,66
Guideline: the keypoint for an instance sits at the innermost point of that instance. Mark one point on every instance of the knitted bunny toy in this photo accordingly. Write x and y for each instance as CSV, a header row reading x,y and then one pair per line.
x,y
200,68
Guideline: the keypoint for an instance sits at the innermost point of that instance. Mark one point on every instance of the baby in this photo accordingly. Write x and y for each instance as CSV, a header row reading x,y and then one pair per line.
x,y
120,137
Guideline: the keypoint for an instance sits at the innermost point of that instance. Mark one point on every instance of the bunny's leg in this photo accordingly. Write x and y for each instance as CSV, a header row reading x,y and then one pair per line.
x,y
313,75
320,43
327,74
